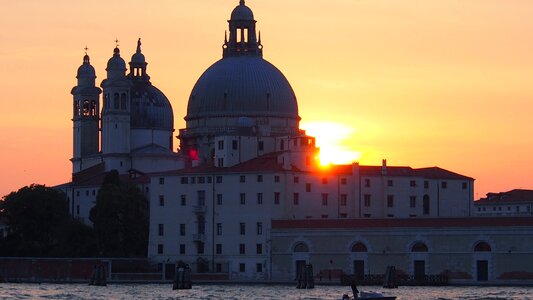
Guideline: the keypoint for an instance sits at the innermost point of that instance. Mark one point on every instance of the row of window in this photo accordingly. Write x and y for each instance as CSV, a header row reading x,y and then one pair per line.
x,y
242,178
390,201
413,183
87,192
499,208
242,229
218,249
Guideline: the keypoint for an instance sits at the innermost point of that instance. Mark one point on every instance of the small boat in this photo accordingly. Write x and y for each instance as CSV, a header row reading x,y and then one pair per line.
x,y
370,295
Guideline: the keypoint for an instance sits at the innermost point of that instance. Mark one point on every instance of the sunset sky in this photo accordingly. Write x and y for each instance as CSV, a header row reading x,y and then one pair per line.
x,y
419,82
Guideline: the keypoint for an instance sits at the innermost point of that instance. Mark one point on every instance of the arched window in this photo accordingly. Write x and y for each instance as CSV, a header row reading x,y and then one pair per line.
x,y
76,108
359,247
301,247
123,101
93,108
116,100
86,107
419,247
425,204
482,247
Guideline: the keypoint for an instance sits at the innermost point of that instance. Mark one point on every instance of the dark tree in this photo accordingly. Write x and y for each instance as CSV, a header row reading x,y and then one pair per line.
x,y
120,219
40,225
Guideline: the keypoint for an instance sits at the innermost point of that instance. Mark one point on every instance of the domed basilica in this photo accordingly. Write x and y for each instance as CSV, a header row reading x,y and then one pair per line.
x,y
240,95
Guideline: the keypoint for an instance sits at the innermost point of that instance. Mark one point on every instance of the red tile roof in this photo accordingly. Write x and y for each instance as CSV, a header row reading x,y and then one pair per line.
x,y
513,196
429,173
94,176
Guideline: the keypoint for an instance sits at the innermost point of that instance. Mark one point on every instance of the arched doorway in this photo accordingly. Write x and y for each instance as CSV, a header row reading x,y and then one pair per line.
x,y
419,252
359,250
482,252
300,257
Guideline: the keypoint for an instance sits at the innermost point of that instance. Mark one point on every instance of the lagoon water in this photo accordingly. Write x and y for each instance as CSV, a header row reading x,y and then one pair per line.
x,y
235,292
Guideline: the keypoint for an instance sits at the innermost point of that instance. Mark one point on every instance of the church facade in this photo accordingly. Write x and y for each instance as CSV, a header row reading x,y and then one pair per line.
x,y
226,201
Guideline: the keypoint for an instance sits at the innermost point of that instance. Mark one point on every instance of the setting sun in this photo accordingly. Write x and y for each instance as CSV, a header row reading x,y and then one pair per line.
x,y
333,140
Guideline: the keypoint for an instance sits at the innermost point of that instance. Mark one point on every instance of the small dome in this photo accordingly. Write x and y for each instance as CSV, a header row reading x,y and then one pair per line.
x,y
242,13
116,63
86,70
150,108
138,58
242,87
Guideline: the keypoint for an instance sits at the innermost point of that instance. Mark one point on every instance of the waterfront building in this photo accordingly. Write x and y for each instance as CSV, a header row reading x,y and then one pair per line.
x,y
245,197
512,203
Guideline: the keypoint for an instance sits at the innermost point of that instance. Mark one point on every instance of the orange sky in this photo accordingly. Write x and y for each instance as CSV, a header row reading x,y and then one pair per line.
x,y
418,82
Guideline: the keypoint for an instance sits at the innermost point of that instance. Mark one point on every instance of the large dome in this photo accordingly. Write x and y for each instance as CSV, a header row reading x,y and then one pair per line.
x,y
244,86
150,108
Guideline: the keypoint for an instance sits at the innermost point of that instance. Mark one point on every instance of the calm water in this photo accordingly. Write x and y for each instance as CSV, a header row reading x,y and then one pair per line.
x,y
144,291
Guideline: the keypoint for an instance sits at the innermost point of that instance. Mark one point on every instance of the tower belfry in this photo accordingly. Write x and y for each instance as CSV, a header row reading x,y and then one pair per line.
x,y
242,34
85,115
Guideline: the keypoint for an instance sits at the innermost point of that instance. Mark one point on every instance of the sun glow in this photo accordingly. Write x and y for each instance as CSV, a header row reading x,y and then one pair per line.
x,y
333,140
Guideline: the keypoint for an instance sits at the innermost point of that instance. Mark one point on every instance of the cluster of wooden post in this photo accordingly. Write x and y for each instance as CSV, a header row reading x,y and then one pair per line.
x,y
182,278
99,276
305,277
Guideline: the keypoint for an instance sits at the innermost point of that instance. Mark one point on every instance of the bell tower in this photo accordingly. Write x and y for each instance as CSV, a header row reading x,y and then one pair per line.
x,y
116,115
85,115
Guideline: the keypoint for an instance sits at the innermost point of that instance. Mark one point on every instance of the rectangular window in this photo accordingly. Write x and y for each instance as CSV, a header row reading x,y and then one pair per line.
x,y
308,187
367,182
242,267
366,198
87,193
234,144
218,268
184,180
209,179
344,199
259,228
259,268
296,198
220,145
324,216
243,198
260,145
324,199
276,197
412,183
296,179
201,179
159,248
259,178
193,180
77,210
444,184
220,162
343,216
276,178
426,184
182,229
243,178
242,228
390,200
259,198
324,180
201,198
259,248
464,185
242,249
219,228
219,199
183,200
390,182
161,230
219,179
161,200
219,248
200,248
161,180
343,181
412,201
